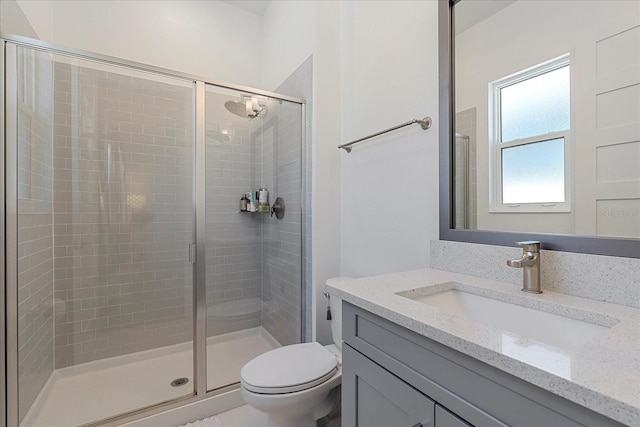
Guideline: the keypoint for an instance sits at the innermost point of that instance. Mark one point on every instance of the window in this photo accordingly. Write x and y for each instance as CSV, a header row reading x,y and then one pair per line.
x,y
529,141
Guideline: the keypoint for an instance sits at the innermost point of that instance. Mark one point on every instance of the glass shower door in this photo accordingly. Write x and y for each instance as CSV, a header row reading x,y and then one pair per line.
x,y
253,258
103,195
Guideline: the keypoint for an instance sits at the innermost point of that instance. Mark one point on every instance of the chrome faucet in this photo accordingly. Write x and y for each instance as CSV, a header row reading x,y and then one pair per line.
x,y
530,265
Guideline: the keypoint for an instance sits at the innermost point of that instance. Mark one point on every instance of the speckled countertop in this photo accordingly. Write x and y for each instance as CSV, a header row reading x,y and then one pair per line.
x,y
602,375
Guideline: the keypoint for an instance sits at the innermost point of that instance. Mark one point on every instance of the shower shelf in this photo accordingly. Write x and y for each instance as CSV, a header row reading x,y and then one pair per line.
x,y
277,209
258,211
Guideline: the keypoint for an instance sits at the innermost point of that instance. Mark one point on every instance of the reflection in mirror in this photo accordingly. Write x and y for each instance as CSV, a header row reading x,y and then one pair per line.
x,y
601,206
547,117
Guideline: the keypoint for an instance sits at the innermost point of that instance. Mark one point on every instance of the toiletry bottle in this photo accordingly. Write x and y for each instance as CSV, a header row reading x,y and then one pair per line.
x,y
243,203
263,200
250,205
263,196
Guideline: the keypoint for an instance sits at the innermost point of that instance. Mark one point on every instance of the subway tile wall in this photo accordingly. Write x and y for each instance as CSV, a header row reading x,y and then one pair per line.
x,y
281,139
35,219
300,85
123,213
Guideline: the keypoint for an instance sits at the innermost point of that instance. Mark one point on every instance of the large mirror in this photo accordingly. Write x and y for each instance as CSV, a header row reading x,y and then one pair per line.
x,y
540,123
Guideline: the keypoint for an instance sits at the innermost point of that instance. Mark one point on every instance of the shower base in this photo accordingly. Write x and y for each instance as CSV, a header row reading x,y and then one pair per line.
x,y
93,391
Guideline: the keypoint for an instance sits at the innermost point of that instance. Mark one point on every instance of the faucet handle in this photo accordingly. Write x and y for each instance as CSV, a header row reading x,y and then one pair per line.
x,y
529,245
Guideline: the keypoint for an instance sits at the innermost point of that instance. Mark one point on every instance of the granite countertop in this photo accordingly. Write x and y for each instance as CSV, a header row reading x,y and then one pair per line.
x,y
602,375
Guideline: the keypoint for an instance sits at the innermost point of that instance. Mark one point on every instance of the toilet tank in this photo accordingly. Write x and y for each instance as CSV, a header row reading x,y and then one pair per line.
x,y
335,303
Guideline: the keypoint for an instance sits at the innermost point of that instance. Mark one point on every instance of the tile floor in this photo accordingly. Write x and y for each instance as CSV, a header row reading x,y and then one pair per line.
x,y
96,390
246,416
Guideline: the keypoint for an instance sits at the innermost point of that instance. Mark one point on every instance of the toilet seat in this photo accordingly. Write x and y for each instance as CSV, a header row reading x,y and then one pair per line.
x,y
289,369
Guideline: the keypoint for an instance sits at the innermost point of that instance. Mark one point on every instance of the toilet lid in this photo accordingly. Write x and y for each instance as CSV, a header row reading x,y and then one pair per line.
x,y
288,369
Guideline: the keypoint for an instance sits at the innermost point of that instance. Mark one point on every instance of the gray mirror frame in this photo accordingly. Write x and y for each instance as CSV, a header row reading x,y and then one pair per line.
x,y
558,242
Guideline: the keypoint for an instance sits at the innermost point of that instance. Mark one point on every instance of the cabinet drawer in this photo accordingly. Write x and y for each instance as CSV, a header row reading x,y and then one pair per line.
x,y
445,418
475,391
373,397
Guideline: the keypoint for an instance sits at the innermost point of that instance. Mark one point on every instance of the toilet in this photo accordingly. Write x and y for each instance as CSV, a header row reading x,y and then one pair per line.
x,y
295,385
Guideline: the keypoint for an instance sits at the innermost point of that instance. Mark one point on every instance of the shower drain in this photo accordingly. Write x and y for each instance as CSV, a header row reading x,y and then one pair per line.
x,y
179,382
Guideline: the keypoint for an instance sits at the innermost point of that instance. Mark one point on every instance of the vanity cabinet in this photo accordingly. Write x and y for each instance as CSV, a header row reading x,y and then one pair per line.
x,y
393,377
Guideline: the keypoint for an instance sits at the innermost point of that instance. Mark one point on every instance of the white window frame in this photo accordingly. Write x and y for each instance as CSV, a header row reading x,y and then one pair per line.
x,y
496,146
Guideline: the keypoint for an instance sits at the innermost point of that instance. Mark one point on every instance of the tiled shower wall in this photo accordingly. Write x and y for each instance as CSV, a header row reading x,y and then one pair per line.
x,y
35,238
300,85
282,239
123,213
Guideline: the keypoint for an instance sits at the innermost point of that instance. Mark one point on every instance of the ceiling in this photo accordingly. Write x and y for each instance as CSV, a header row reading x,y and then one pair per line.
x,y
469,13
259,7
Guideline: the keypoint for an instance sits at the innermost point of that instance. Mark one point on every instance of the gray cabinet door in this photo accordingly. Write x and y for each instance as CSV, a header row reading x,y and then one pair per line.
x,y
444,418
373,397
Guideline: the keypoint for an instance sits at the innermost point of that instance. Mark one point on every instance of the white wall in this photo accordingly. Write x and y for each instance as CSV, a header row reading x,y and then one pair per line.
x,y
40,14
375,65
289,37
14,21
389,201
207,38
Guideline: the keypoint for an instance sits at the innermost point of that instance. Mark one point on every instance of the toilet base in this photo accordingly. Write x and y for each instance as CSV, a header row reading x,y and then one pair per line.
x,y
300,412
309,419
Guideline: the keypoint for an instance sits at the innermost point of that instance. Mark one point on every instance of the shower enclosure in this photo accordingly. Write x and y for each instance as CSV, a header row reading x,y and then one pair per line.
x,y
133,278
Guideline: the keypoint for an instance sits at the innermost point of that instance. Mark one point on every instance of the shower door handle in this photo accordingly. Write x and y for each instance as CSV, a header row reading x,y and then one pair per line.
x,y
192,253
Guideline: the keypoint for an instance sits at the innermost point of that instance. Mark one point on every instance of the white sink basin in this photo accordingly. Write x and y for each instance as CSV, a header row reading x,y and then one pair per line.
x,y
528,323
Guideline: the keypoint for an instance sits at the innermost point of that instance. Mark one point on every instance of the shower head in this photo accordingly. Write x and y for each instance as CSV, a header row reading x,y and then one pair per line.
x,y
248,107
236,107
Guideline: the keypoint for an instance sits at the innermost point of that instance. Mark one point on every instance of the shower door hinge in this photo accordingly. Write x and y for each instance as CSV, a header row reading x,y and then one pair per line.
x,y
192,253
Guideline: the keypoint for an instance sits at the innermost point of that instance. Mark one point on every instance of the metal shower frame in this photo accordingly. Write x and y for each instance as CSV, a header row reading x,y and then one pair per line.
x,y
8,217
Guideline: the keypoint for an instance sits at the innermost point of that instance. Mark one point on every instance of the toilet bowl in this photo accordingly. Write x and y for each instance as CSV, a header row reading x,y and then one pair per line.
x,y
293,384
296,385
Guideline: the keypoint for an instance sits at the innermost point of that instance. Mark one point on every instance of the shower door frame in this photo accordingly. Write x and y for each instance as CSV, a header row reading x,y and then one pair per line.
x,y
8,216
3,364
